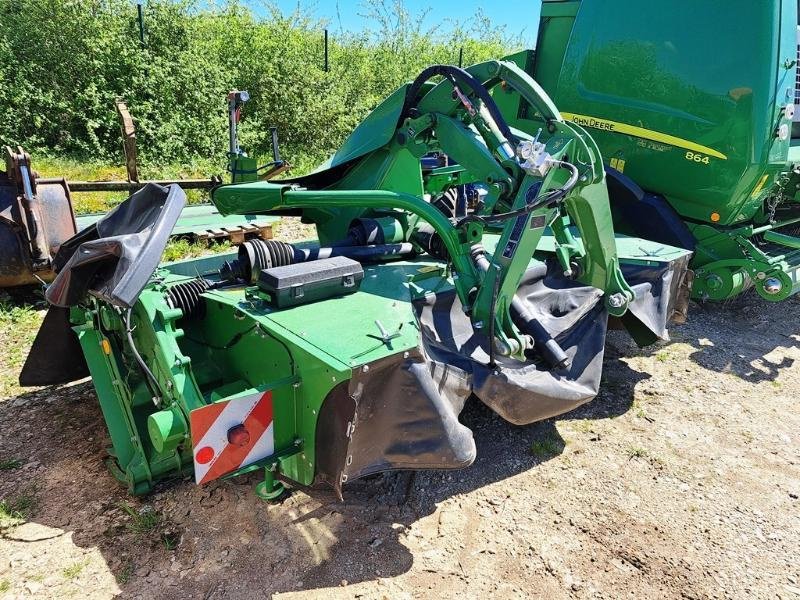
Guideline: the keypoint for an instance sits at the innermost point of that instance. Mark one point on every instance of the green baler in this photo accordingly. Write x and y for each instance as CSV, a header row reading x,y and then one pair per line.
x,y
691,104
457,257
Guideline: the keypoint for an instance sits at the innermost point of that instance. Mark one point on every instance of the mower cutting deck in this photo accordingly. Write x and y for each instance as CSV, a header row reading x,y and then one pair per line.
x,y
492,273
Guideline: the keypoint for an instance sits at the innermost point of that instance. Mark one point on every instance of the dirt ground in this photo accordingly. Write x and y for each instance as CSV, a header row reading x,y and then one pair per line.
x,y
681,480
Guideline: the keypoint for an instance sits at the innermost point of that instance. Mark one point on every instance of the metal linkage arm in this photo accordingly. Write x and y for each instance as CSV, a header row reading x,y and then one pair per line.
x,y
268,197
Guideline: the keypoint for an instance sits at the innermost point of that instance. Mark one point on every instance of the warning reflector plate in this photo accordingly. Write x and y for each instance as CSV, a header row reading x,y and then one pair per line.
x,y
229,435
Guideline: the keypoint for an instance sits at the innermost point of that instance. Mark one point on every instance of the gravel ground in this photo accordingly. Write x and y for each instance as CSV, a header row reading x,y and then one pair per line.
x,y
681,480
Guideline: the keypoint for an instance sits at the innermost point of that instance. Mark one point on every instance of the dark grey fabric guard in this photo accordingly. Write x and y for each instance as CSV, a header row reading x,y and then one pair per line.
x,y
402,412
56,356
114,258
657,290
522,392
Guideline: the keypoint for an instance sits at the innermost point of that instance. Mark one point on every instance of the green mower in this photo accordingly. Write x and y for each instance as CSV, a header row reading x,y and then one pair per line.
x,y
458,256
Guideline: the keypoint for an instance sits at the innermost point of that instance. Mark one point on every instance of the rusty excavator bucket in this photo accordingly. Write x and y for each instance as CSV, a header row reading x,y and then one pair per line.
x,y
36,217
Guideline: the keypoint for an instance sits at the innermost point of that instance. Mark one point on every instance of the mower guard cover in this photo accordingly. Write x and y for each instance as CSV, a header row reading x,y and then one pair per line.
x,y
113,260
405,408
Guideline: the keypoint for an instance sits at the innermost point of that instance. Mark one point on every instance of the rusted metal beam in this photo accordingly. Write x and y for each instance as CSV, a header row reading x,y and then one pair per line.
x,y
128,130
132,186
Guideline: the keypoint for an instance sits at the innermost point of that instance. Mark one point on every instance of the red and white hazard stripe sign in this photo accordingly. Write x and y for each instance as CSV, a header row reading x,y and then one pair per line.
x,y
227,436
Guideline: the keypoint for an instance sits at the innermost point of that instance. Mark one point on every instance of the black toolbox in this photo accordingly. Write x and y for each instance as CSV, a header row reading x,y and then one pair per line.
x,y
311,281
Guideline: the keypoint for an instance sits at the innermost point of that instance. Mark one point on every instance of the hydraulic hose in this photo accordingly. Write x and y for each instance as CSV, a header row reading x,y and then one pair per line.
x,y
153,382
457,75
550,197
547,347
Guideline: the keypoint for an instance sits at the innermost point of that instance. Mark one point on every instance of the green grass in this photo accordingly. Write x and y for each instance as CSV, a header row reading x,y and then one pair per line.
x,y
639,409
18,327
662,356
18,509
72,571
170,540
635,452
142,521
125,574
583,426
5,585
547,447
9,464
178,249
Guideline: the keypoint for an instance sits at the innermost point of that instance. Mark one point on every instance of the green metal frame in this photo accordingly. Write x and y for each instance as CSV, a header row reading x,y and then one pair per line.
x,y
243,345
392,177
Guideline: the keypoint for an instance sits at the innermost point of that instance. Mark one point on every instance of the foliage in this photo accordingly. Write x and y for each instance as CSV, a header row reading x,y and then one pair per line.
x,y
63,62
75,569
9,464
547,446
181,248
16,510
142,521
18,322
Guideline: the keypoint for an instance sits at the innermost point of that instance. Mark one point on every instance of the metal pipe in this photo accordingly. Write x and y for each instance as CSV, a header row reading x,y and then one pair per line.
x,y
131,186
38,240
140,18
27,191
326,50
359,253
233,143
763,228
276,155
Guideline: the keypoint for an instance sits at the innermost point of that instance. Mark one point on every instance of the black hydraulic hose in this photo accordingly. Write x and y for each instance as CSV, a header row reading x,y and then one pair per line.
x,y
550,197
547,347
457,75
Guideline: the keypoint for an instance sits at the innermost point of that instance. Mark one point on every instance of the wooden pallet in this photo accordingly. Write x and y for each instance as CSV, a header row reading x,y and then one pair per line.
x,y
236,235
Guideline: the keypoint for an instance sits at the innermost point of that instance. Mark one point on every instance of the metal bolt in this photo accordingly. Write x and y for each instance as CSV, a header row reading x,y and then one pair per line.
x,y
773,286
617,300
365,368
406,354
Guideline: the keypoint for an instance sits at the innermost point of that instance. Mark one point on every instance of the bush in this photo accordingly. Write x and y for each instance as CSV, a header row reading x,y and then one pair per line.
x,y
63,62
